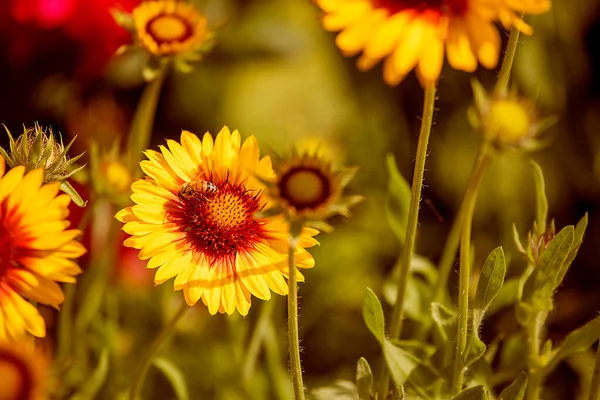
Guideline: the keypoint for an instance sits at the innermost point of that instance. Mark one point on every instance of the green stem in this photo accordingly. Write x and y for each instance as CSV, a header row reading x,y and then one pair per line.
x,y
449,252
144,365
256,340
536,370
411,227
595,385
142,122
507,62
465,264
293,339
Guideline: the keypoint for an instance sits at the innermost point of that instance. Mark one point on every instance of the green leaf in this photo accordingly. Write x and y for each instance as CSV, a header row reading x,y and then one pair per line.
x,y
472,393
488,287
578,340
364,379
507,296
475,349
516,390
540,285
400,362
398,199
92,386
578,239
174,376
68,189
541,209
445,319
421,350
373,315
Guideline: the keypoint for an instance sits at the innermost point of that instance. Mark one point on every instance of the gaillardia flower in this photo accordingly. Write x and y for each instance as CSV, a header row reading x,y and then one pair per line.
x,y
306,188
196,219
36,249
23,372
413,34
167,27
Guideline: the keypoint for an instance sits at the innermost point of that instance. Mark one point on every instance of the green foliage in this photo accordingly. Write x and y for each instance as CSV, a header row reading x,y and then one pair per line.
x,y
364,379
516,390
397,200
540,196
92,386
472,393
373,315
540,285
489,285
578,340
174,375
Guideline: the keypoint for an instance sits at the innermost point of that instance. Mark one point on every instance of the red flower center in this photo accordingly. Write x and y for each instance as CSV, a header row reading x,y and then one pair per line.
x,y
221,224
7,250
454,7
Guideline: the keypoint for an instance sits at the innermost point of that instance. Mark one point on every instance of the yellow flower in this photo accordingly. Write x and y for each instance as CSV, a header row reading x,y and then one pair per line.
x,y
23,372
415,34
36,249
195,219
307,189
168,27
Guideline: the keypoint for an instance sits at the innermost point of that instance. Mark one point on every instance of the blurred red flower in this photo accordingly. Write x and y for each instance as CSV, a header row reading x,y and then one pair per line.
x,y
88,23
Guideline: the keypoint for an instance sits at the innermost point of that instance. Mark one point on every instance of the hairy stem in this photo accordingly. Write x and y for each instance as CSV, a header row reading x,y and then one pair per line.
x,y
411,228
507,62
144,365
293,338
465,264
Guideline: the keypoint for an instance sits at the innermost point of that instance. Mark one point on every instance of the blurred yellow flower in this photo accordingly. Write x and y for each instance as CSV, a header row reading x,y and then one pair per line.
x,y
195,219
415,34
168,27
23,372
36,249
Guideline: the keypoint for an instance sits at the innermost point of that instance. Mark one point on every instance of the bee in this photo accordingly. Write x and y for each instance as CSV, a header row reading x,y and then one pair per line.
x,y
197,188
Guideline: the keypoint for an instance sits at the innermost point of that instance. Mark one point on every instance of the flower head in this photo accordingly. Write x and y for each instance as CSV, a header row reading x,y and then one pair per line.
x,y
109,174
37,148
411,34
36,249
23,372
169,29
306,188
195,219
507,120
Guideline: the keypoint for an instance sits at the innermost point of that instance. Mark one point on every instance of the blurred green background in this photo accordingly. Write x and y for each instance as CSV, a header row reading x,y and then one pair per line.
x,y
276,74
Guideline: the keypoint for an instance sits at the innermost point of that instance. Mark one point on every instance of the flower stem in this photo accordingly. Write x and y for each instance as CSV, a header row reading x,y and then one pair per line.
x,y
465,264
144,365
411,228
595,384
140,130
507,62
294,341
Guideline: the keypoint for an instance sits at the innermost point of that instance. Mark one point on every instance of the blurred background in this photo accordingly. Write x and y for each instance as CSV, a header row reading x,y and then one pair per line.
x,y
276,74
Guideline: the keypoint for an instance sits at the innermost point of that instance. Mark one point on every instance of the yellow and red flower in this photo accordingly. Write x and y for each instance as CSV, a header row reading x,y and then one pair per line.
x,y
36,249
23,372
209,236
412,34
